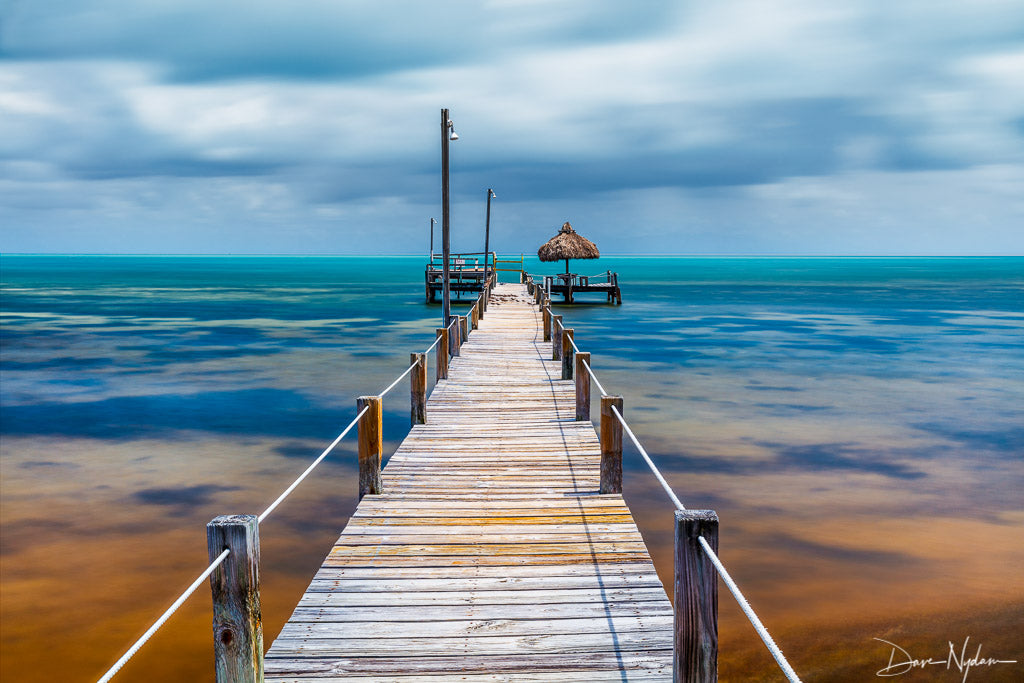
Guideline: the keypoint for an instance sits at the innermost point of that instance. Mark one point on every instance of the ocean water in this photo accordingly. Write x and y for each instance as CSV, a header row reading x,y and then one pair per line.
x,y
858,425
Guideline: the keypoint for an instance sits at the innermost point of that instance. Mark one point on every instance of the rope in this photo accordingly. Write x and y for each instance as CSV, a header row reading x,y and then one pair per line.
x,y
400,378
744,605
650,463
163,617
571,341
309,469
749,611
594,377
431,347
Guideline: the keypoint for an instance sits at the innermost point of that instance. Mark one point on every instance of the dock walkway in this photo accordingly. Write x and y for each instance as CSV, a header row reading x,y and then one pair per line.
x,y
490,556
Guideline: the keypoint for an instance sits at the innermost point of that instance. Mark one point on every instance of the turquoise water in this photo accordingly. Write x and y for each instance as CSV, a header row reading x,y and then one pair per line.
x,y
856,423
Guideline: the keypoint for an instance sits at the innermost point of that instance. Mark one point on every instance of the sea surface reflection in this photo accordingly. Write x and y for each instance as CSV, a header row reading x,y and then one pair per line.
x,y
856,424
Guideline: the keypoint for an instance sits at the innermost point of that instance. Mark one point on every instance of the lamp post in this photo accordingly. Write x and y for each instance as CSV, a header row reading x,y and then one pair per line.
x,y
487,233
446,125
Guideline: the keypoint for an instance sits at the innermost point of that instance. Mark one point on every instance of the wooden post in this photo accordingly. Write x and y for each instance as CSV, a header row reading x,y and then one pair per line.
x,y
370,446
418,382
464,324
442,353
611,445
696,599
454,336
237,623
582,386
546,321
567,353
556,337
475,315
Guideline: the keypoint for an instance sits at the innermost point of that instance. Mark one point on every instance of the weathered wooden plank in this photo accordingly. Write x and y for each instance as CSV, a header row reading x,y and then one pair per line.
x,y
489,554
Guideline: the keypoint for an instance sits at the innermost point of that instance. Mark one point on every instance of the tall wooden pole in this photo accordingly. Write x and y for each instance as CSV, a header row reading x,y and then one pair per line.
x,y
371,446
446,303
611,445
487,234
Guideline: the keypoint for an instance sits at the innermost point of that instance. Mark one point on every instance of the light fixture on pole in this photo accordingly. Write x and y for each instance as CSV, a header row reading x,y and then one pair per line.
x,y
446,126
487,233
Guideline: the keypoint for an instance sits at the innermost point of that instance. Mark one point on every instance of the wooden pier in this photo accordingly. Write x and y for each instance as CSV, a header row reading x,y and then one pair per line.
x,y
570,284
490,553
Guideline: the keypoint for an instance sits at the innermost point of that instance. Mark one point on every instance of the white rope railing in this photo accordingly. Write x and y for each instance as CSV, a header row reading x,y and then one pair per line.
x,y
437,340
733,588
163,617
650,463
294,484
749,611
400,378
744,604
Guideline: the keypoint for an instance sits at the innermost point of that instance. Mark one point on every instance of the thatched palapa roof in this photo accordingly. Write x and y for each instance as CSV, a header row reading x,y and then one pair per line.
x,y
568,244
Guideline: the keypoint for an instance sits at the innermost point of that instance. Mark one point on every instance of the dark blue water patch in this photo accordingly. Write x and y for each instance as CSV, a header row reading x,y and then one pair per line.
x,y
757,386
47,464
190,354
837,456
792,545
180,499
77,362
298,450
256,412
1006,442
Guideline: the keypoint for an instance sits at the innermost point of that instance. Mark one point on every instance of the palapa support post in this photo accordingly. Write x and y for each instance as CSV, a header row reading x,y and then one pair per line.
x,y
611,445
464,326
556,337
582,386
235,584
371,446
442,353
567,353
546,322
418,390
695,645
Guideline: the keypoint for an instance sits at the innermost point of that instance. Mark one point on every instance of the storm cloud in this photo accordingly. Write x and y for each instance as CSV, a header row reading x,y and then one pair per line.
x,y
307,127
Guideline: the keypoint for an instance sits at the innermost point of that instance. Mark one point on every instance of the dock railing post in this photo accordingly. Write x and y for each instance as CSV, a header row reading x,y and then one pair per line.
x,y
235,584
454,336
474,315
371,446
442,353
464,326
695,642
546,321
582,386
556,337
567,353
418,388
611,445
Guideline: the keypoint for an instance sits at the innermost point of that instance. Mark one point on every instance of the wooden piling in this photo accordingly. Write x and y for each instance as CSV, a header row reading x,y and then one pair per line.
x,y
611,445
442,353
696,598
235,584
582,386
464,325
546,322
567,353
371,446
475,315
418,391
556,337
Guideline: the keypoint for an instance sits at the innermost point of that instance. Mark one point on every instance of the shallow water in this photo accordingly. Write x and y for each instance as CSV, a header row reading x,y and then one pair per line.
x,y
856,424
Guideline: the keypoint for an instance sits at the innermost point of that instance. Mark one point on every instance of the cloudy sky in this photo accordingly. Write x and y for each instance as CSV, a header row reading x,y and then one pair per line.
x,y
313,126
